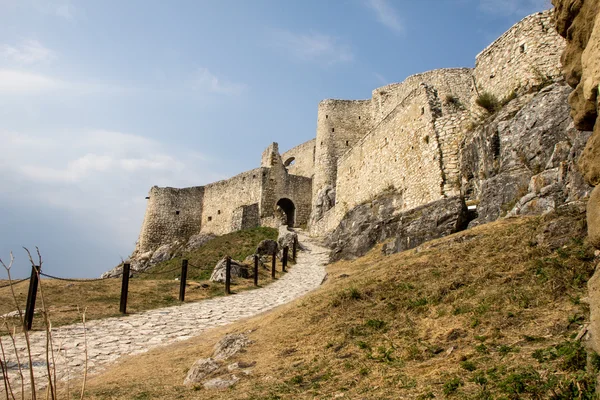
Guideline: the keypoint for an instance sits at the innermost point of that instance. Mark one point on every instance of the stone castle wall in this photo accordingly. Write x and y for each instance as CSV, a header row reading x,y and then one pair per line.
x,y
521,58
171,214
303,158
222,198
405,138
402,155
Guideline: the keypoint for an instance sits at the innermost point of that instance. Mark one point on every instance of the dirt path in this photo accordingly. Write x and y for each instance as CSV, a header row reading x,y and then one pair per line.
x,y
111,338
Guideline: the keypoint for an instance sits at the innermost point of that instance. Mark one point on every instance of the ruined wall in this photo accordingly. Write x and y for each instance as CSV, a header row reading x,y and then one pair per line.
x,y
245,217
402,154
455,87
340,125
523,57
303,159
449,129
171,214
221,199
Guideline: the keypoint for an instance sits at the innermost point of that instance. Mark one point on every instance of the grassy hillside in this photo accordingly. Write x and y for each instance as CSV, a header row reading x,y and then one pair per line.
x,y
488,313
238,245
66,300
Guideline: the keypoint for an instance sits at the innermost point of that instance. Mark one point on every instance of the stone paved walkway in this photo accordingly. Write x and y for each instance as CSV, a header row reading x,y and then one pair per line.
x,y
109,339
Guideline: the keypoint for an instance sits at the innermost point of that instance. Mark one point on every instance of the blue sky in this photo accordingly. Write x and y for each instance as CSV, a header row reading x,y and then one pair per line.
x,y
100,100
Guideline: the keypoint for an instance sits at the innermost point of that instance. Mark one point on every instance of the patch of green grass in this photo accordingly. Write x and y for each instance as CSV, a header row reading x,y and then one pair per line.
x,y
452,385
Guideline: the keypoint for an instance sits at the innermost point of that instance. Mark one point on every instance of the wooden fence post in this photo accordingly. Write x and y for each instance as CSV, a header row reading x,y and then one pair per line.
x,y
294,249
183,278
286,250
124,289
33,286
228,275
273,263
256,270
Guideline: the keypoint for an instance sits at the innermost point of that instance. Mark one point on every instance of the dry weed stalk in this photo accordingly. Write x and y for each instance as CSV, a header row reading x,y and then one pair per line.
x,y
51,389
25,332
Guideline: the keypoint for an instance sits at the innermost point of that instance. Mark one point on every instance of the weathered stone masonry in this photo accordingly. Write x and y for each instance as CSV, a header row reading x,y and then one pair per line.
x,y
404,139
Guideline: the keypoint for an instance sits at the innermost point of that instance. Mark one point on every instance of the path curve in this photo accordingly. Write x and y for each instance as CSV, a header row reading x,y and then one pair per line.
x,y
111,338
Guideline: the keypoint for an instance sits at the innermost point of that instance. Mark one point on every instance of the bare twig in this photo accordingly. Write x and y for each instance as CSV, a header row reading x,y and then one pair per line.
x,y
85,349
14,345
22,320
4,365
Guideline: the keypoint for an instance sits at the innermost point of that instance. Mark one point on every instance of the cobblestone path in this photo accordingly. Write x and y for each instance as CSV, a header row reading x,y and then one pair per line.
x,y
108,339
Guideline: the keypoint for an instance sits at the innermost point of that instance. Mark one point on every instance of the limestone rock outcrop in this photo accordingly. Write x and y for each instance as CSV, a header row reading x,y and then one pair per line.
x,y
524,160
579,22
379,220
286,238
238,269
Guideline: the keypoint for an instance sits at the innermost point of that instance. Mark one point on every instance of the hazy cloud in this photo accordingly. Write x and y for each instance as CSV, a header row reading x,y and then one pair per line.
x,y
386,14
15,81
206,81
28,52
513,7
313,47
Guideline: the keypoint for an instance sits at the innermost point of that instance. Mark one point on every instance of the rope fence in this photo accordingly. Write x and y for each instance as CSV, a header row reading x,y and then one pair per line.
x,y
126,273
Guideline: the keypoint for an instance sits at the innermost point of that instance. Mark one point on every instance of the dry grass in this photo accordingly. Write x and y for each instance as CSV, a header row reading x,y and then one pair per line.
x,y
487,313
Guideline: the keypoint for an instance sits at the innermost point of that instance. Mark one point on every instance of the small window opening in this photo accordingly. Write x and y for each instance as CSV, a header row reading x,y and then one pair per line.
x,y
253,176
209,219
321,143
218,212
347,143
359,117
176,212
422,110
522,48
332,129
326,116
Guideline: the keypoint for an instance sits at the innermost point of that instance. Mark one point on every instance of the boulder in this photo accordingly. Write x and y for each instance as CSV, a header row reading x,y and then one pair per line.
x,y
230,345
324,201
378,221
200,370
286,237
222,382
238,269
163,253
266,247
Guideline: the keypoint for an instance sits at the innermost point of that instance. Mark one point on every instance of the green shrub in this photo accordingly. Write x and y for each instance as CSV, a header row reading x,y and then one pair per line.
x,y
489,102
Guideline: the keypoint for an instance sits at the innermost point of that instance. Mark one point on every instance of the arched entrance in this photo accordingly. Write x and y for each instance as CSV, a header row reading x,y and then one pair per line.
x,y
289,209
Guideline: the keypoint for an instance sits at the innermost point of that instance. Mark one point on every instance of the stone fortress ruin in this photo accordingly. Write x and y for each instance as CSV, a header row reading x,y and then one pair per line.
x,y
405,139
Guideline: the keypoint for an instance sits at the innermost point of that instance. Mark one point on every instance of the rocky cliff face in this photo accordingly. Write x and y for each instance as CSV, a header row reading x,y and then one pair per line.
x,y
523,159
579,22
520,161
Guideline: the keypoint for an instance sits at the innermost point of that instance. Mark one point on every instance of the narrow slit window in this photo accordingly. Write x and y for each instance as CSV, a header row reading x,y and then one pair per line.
x,y
209,219
218,212
332,129
347,143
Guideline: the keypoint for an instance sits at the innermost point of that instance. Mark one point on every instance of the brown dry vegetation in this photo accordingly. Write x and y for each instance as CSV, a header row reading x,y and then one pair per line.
x,y
67,300
487,313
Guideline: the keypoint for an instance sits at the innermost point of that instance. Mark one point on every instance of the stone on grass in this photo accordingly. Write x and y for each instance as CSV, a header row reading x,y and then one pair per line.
x,y
266,247
200,370
222,382
238,269
230,345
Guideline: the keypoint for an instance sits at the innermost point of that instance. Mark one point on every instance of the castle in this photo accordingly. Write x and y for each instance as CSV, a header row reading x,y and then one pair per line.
x,y
405,138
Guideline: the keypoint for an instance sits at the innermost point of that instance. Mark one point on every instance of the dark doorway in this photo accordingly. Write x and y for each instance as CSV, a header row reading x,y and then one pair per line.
x,y
289,209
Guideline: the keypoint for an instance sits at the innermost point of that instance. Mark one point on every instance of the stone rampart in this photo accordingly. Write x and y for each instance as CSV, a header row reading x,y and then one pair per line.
x,y
401,155
222,198
523,57
171,214
301,159
455,87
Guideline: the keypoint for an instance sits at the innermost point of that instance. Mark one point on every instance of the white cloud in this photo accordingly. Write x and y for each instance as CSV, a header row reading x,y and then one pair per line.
x,y
386,14
313,47
206,81
28,52
513,7
16,81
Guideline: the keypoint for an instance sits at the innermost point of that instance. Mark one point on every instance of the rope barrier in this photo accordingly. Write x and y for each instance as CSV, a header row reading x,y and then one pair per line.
x,y
77,280
150,272
14,283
